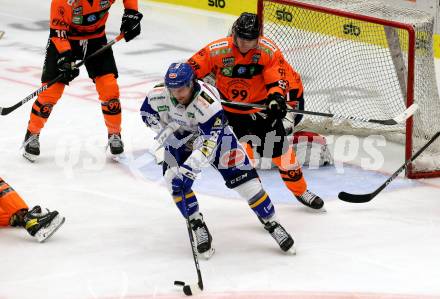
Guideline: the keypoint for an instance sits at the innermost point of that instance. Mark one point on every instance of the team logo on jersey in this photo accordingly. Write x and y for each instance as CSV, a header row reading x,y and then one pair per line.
x,y
228,61
104,3
91,18
190,115
233,158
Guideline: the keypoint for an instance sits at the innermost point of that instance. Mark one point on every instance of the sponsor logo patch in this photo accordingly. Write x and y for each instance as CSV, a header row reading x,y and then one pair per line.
x,y
104,3
91,18
234,157
218,45
228,61
78,10
163,108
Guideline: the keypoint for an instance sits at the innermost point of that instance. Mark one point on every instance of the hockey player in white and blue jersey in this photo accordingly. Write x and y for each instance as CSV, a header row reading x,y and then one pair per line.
x,y
190,123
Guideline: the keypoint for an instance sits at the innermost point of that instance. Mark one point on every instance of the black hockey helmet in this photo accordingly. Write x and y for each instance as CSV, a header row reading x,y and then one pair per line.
x,y
247,26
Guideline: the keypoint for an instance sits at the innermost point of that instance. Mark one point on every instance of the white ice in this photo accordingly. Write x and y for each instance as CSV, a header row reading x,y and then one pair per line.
x,y
123,236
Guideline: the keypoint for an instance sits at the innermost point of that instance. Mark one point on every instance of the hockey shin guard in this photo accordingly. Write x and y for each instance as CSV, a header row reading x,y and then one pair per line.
x,y
192,206
291,172
108,91
42,107
262,205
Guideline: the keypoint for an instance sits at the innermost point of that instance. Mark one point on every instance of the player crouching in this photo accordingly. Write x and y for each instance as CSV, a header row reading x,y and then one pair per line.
x,y
39,223
181,109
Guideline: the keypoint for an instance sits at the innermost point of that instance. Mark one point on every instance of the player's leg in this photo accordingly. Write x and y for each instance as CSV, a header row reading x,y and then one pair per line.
x,y
186,200
238,173
276,145
14,212
43,105
102,69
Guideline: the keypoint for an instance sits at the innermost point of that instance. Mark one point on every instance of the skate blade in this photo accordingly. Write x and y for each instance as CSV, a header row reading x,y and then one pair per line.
x,y
291,251
315,211
207,254
319,211
120,158
46,232
30,157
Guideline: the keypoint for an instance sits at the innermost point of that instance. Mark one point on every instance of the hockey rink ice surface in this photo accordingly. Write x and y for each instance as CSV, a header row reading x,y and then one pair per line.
x,y
123,236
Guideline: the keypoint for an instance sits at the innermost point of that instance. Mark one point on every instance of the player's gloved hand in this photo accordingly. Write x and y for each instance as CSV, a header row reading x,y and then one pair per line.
x,y
131,24
183,179
65,63
165,135
276,106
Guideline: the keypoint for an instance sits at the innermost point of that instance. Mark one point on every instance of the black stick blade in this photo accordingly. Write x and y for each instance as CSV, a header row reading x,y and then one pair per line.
x,y
179,283
355,198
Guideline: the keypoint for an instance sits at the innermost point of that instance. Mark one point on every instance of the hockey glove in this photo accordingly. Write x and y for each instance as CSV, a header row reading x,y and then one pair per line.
x,y
66,67
166,135
276,106
183,179
131,24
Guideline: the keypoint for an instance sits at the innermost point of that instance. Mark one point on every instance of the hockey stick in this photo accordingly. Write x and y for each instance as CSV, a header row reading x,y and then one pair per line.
x,y
7,110
191,289
401,118
1,34
361,198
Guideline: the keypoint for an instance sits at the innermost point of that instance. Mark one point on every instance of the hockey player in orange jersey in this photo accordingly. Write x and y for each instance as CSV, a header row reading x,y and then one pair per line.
x,y
77,29
250,68
39,223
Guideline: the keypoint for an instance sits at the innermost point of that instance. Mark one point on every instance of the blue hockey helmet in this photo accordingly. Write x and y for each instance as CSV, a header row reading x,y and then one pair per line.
x,y
179,75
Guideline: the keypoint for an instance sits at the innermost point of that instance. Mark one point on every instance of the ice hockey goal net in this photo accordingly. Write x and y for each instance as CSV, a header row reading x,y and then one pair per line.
x,y
364,59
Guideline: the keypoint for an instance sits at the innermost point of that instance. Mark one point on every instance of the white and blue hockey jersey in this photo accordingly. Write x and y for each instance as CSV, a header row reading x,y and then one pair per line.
x,y
203,117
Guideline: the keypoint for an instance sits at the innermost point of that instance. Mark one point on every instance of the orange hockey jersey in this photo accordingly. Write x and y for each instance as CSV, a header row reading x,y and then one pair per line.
x,y
80,19
246,78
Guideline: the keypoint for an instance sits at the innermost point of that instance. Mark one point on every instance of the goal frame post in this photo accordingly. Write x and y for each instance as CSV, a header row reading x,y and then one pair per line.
x,y
410,173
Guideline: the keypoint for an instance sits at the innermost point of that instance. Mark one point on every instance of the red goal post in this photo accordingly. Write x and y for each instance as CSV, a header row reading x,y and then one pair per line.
x,y
366,59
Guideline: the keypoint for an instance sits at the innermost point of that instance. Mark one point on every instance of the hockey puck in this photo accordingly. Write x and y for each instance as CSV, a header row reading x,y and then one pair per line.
x,y
187,290
179,283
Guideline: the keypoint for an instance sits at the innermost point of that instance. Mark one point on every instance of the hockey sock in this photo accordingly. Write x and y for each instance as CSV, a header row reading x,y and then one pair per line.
x,y
108,91
192,205
42,107
291,172
262,205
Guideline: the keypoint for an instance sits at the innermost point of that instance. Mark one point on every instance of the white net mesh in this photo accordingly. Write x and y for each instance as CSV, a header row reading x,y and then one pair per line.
x,y
353,66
